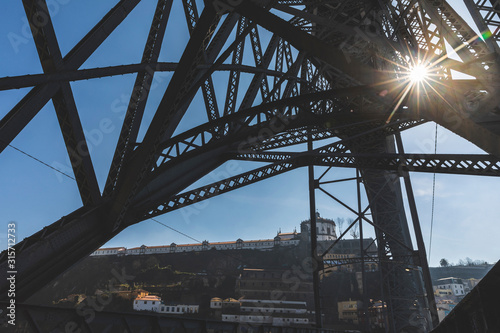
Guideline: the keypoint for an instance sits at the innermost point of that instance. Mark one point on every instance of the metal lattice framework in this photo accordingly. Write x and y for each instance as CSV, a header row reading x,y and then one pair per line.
x,y
326,69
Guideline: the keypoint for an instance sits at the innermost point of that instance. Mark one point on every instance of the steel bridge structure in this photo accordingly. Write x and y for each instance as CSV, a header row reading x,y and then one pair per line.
x,y
329,69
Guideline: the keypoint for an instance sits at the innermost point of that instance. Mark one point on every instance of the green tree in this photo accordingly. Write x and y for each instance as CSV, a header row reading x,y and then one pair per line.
x,y
444,263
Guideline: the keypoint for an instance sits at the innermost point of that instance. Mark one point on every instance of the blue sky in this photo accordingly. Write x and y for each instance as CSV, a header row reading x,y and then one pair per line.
x,y
466,222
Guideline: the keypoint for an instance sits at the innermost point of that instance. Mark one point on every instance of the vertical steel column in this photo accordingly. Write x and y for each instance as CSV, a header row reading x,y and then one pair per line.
x,y
426,275
364,307
314,244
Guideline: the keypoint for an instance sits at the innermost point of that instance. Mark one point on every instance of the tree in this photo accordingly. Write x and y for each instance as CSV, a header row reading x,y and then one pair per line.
x,y
444,263
354,230
469,261
340,225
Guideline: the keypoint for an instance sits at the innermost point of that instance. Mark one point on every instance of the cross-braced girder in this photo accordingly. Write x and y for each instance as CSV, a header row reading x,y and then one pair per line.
x,y
329,70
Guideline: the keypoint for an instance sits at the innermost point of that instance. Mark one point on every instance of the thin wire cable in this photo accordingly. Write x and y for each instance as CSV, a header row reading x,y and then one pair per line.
x,y
183,234
434,175
196,240
40,161
433,194
163,224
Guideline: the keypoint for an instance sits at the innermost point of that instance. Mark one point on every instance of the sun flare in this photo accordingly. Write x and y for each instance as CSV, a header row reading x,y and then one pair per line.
x,y
418,73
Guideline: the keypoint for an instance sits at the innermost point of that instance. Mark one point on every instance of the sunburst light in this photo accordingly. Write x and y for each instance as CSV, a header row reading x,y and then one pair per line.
x,y
418,74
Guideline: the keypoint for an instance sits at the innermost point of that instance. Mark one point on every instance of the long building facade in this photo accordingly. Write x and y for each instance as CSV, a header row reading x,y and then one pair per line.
x,y
239,244
325,232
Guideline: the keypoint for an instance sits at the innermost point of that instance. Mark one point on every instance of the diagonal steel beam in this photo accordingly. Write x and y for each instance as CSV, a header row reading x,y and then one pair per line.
x,y
214,189
234,76
64,103
168,115
467,128
140,93
14,122
208,90
476,8
301,40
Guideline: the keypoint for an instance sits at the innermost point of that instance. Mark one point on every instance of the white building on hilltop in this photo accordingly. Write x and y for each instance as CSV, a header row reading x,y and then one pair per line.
x,y
147,303
325,228
455,285
155,304
288,239
110,251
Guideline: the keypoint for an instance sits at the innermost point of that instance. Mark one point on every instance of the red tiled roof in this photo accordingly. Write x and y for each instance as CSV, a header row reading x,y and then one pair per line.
x,y
110,248
200,244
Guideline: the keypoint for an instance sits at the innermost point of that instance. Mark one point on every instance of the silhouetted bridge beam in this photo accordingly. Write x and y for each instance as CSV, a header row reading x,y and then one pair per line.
x,y
167,164
75,236
478,165
32,103
30,80
478,310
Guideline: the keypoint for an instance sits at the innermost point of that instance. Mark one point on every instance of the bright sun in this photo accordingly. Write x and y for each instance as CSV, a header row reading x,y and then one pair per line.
x,y
418,73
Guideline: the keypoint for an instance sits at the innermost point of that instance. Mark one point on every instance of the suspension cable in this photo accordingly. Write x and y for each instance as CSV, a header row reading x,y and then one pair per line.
x,y
433,194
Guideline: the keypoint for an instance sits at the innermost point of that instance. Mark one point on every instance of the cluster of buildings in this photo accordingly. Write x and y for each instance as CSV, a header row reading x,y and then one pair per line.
x,y
449,291
275,297
349,312
266,297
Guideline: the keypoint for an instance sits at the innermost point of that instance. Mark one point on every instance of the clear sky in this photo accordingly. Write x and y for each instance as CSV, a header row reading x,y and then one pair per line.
x,y
466,222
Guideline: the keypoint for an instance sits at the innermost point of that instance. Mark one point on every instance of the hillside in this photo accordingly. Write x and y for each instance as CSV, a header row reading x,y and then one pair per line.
x,y
462,272
190,277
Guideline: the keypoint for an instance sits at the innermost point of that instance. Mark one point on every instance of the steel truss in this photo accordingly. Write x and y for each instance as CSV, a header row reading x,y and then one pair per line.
x,y
333,70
